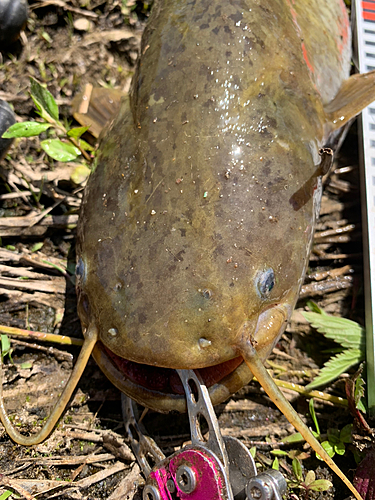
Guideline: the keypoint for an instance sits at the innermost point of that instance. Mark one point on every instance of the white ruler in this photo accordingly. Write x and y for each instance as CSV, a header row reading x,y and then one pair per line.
x,y
365,32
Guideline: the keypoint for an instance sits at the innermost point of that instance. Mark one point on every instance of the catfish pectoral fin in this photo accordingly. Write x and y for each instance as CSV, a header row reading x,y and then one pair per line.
x,y
91,338
248,352
354,95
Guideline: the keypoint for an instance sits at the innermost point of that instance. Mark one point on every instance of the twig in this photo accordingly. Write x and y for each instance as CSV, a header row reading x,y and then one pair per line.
x,y
45,337
14,485
337,400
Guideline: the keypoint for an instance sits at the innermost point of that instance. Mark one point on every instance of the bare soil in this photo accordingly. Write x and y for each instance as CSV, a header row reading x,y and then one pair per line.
x,y
60,50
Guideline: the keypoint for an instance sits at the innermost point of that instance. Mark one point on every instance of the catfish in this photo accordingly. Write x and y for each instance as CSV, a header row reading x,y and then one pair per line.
x,y
198,218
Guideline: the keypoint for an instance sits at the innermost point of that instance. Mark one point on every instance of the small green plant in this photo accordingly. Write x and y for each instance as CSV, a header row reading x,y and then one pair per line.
x,y
6,349
347,333
65,143
334,442
308,482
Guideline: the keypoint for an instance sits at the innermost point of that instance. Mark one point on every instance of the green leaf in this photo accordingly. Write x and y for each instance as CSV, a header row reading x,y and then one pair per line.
x,y
297,438
328,448
43,99
297,468
37,247
320,485
253,451
6,348
279,453
346,434
315,308
339,448
275,464
333,436
80,174
60,151
361,406
85,145
6,495
25,129
77,131
359,390
313,416
26,365
310,477
293,439
341,330
336,366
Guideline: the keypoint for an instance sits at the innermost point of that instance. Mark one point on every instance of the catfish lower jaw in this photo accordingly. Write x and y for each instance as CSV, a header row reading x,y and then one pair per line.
x,y
160,388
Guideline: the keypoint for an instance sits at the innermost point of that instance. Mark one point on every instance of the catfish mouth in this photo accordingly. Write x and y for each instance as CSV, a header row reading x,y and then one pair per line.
x,y
160,388
166,380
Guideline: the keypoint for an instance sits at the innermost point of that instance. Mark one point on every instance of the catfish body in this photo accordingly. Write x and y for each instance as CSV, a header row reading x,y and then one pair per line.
x,y
198,219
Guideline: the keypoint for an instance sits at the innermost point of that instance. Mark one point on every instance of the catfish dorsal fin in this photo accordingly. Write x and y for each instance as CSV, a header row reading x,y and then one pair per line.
x,y
354,95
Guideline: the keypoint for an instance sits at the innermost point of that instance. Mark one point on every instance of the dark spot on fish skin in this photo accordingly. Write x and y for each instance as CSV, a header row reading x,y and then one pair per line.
x,y
237,17
135,279
216,30
201,14
260,95
266,171
139,286
231,284
142,318
172,268
179,255
183,233
227,30
207,294
219,250
204,26
228,53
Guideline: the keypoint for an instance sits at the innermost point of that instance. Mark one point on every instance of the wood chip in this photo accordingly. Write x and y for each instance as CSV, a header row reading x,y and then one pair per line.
x,y
100,476
128,486
108,36
63,460
33,298
57,221
56,285
14,484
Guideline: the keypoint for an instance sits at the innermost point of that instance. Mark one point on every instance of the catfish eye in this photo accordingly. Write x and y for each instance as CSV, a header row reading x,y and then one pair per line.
x,y
265,281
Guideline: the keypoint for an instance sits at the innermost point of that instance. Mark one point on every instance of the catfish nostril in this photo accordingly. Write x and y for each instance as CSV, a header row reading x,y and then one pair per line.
x,y
207,294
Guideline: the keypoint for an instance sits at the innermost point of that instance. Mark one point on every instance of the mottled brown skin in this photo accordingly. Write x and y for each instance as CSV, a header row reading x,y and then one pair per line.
x,y
207,181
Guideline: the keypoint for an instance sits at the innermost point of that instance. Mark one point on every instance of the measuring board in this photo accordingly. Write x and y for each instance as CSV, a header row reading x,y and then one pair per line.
x,y
365,32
